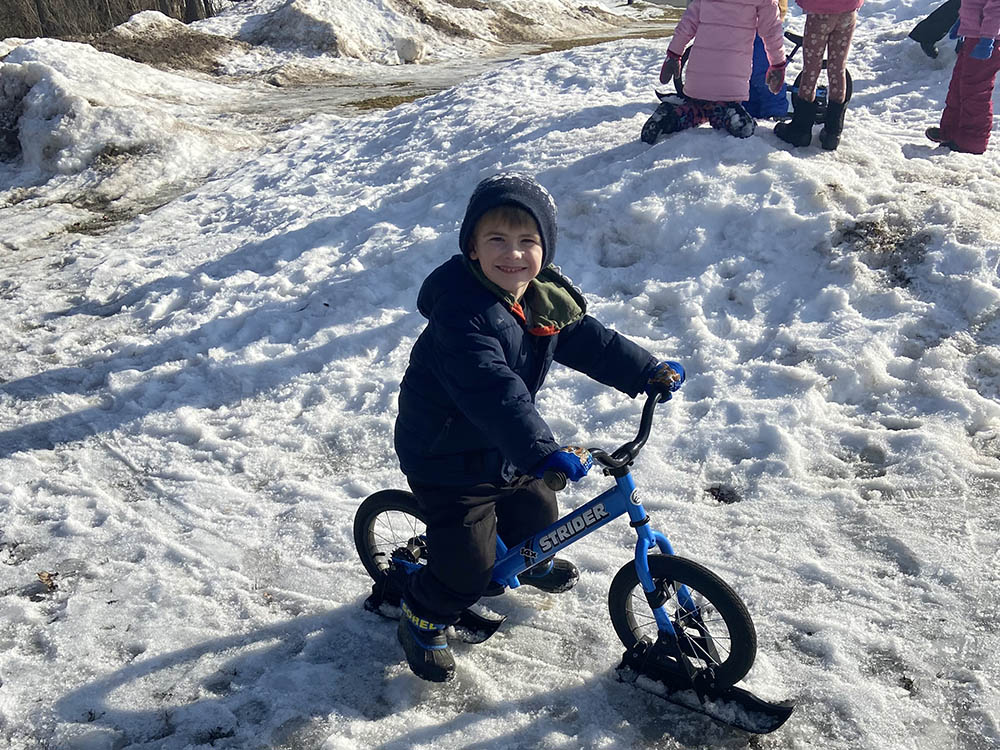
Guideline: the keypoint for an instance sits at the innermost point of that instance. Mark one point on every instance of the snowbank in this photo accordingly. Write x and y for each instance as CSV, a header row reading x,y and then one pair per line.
x,y
111,134
371,30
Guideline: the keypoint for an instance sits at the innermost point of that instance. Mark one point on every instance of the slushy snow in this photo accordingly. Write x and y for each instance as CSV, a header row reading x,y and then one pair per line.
x,y
195,399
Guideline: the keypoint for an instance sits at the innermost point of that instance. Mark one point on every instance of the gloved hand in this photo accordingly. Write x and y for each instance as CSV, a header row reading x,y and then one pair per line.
x,y
983,49
953,34
671,67
775,77
666,378
571,460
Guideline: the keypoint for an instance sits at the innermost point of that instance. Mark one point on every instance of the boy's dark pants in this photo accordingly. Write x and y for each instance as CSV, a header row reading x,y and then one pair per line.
x,y
462,525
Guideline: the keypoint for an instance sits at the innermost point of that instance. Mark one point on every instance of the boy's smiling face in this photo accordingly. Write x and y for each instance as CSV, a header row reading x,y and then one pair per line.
x,y
510,253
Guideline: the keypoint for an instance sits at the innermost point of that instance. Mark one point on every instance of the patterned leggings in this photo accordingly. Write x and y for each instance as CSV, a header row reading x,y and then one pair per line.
x,y
830,33
679,113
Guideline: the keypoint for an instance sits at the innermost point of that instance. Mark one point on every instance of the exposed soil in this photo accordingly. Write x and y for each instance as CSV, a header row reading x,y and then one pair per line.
x,y
384,102
651,33
180,49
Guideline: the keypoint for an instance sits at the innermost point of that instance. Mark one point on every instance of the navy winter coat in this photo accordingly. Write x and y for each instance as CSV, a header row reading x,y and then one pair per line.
x,y
467,401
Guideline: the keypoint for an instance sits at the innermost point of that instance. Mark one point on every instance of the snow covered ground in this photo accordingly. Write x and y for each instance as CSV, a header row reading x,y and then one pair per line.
x,y
194,401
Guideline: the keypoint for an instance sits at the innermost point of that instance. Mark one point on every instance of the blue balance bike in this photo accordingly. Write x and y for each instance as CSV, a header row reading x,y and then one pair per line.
x,y
688,636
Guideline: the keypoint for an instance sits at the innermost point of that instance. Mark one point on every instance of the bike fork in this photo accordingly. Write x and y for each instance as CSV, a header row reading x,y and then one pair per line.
x,y
668,643
655,595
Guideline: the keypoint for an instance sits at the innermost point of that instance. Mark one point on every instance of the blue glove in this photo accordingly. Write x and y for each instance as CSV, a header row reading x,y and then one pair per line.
x,y
983,49
666,378
570,460
953,34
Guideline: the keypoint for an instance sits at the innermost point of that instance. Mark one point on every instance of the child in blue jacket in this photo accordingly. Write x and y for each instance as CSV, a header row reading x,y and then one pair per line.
x,y
468,436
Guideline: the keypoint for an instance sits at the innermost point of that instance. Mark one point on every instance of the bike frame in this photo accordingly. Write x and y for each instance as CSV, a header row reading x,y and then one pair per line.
x,y
615,502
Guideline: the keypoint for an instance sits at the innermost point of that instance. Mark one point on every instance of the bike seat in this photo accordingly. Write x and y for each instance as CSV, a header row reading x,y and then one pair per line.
x,y
793,37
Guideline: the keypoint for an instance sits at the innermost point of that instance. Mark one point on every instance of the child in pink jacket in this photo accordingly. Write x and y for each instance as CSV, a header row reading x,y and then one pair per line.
x,y
829,29
718,70
968,111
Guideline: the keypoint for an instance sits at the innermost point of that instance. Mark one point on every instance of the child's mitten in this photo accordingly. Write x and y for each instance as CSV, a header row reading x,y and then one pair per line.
x,y
666,378
671,67
983,49
571,460
775,77
953,34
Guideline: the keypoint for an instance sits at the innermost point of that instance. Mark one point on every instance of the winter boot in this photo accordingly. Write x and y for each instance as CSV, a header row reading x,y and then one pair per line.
x,y
425,646
798,132
663,120
833,125
553,575
938,136
925,44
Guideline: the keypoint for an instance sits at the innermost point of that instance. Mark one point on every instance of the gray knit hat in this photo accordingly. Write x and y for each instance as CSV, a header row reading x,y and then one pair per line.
x,y
517,189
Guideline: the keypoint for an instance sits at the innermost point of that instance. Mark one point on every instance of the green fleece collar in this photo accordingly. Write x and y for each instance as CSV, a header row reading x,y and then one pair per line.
x,y
554,302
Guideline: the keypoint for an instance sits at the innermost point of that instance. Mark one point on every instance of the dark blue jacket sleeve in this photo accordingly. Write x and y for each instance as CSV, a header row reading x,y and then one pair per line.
x,y
475,374
604,355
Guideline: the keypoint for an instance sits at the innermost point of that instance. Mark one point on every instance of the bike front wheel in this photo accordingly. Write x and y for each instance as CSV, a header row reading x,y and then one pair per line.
x,y
713,627
387,525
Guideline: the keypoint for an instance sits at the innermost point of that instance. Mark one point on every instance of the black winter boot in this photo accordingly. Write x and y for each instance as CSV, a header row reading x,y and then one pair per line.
x,y
829,136
663,120
553,575
798,132
425,646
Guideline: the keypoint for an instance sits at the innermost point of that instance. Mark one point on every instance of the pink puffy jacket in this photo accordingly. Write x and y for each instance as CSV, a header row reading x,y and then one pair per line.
x,y
722,56
979,18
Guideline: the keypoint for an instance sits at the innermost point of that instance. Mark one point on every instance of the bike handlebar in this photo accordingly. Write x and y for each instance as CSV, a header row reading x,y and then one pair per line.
x,y
623,455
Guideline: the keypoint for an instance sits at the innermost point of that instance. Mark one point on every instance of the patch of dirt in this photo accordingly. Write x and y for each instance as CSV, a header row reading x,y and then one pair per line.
x,y
565,44
415,9
724,493
384,102
11,106
181,49
889,247
473,4
504,25
293,75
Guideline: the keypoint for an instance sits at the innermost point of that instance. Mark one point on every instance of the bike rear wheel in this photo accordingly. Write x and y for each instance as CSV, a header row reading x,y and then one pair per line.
x,y
821,93
387,524
713,626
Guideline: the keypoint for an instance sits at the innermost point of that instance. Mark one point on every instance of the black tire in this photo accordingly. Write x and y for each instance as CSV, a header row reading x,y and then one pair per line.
x,y
389,521
821,93
848,83
722,619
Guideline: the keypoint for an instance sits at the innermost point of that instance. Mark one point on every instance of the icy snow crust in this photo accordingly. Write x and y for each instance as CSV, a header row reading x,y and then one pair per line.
x,y
194,403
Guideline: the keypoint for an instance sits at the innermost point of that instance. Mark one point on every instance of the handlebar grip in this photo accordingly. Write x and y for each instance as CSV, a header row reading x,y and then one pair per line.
x,y
554,480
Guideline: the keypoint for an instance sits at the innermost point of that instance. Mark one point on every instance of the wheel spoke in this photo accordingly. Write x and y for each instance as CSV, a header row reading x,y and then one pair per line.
x,y
685,621
391,530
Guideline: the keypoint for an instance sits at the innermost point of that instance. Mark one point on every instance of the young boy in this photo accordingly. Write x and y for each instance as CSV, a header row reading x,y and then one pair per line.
x,y
468,436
